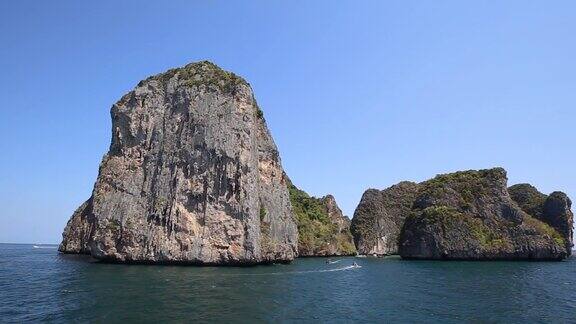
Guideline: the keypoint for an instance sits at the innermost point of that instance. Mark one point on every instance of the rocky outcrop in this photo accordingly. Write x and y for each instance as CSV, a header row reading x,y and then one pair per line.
x,y
192,176
322,228
528,198
335,213
471,216
380,216
79,230
558,214
554,210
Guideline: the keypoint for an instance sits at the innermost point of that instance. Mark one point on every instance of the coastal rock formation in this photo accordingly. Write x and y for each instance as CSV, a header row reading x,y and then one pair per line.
x,y
558,214
554,210
528,198
380,216
192,176
322,228
470,215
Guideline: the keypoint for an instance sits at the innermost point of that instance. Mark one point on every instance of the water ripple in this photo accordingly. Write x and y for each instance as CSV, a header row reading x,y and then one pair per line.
x,y
41,285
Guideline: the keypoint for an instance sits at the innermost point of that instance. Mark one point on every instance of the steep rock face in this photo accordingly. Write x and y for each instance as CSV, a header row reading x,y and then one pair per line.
x,y
335,213
470,216
554,210
322,228
558,214
344,242
380,216
192,176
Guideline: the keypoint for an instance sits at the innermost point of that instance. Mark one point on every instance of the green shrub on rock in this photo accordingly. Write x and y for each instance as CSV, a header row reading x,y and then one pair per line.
x,y
319,234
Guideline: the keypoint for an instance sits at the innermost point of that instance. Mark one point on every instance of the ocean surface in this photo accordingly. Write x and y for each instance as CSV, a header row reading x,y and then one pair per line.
x,y
38,284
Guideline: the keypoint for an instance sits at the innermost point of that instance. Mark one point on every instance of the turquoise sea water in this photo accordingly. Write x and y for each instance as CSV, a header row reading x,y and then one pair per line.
x,y
38,284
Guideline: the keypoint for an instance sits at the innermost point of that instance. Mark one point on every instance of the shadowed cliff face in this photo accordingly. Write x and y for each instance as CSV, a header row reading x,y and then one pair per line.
x,y
192,176
379,217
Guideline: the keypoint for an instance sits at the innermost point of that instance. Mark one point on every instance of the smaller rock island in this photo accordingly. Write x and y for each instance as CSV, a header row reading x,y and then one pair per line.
x,y
467,215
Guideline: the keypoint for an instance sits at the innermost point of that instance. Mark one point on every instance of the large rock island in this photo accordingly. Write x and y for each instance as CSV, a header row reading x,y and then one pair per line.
x,y
192,176
469,215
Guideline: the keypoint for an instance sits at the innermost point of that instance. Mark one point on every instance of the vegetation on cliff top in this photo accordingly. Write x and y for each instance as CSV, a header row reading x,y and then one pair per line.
x,y
450,200
204,73
209,75
470,185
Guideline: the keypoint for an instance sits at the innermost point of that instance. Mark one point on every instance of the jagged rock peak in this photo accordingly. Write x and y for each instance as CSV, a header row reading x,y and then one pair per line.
x,y
192,176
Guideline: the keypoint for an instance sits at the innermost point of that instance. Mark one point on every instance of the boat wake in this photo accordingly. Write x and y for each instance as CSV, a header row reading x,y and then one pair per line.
x,y
350,267
338,269
44,247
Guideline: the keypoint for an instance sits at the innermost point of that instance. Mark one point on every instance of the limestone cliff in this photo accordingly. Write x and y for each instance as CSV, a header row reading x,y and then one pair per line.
x,y
380,216
471,216
322,228
192,176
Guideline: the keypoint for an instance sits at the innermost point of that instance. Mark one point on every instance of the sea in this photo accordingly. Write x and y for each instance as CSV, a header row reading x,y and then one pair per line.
x,y
37,284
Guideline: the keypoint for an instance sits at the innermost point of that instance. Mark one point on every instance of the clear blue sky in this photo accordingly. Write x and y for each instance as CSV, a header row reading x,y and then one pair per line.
x,y
356,95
